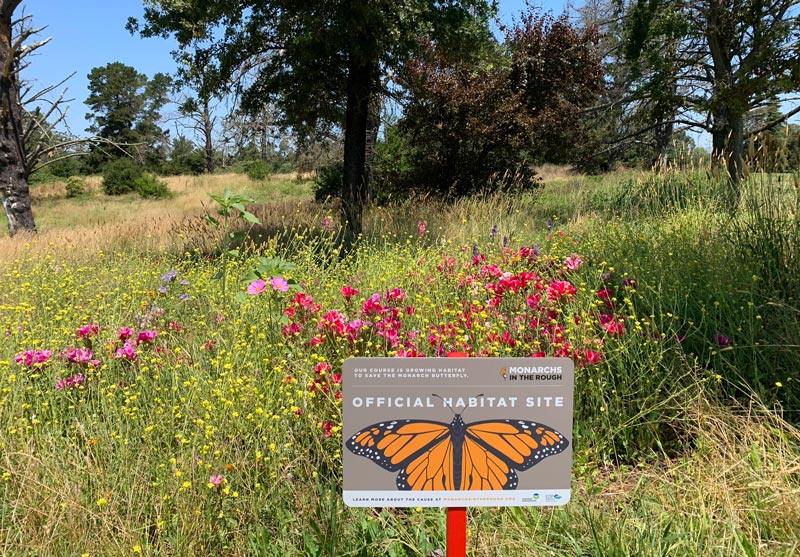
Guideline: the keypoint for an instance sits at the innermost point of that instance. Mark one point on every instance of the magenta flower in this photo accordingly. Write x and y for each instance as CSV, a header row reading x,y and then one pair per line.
x,y
256,287
348,292
124,333
88,331
279,284
217,480
145,337
77,355
127,352
31,358
70,382
722,340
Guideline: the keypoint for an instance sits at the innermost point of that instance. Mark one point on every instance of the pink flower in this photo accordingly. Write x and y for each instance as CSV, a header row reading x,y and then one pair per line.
x,y
217,480
573,262
322,367
279,284
327,428
395,295
77,355
293,329
70,382
88,331
124,333
348,292
594,357
127,352
327,223
256,287
145,337
422,226
31,358
722,340
612,325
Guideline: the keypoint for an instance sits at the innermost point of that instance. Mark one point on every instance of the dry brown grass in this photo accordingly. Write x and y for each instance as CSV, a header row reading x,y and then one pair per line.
x,y
99,222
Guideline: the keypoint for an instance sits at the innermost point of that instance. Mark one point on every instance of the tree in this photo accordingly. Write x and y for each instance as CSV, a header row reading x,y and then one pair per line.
x,y
320,60
125,109
468,125
14,169
718,59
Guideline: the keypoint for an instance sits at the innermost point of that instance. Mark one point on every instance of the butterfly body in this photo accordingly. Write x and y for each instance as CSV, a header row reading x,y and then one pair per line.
x,y
436,456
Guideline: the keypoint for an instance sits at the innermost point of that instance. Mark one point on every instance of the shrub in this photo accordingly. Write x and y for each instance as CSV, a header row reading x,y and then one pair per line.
x,y
328,183
120,176
76,186
258,170
150,187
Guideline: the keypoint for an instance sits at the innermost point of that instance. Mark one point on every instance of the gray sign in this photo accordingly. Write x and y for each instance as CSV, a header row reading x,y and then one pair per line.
x,y
455,432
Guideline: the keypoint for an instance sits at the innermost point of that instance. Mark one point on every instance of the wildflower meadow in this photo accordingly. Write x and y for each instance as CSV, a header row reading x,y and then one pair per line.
x,y
184,398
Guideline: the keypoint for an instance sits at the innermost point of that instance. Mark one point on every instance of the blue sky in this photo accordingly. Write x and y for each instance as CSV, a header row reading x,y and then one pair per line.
x,y
91,33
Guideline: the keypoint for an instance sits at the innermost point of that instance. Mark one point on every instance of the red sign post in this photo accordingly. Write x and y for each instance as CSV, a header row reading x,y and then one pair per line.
x,y
457,516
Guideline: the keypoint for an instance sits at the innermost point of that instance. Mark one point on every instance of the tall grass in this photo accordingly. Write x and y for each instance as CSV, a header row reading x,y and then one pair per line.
x,y
680,444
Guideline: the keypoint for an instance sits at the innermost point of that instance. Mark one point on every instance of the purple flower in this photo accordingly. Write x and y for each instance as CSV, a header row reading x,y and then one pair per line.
x,y
183,297
722,340
494,232
256,287
162,289
279,284
169,276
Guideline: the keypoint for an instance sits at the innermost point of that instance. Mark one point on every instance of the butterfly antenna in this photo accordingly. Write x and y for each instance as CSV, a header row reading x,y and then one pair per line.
x,y
446,405
450,407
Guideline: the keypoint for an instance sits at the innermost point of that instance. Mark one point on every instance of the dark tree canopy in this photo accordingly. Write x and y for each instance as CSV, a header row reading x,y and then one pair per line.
x,y
482,125
125,108
320,61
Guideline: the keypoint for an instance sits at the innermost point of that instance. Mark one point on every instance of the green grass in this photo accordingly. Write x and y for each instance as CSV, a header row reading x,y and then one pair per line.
x,y
680,444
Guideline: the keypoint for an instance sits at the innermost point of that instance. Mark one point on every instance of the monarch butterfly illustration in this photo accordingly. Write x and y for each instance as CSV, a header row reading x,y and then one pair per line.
x,y
432,456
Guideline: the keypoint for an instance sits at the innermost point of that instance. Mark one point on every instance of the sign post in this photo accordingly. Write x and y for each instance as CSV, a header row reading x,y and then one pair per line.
x,y
457,432
457,516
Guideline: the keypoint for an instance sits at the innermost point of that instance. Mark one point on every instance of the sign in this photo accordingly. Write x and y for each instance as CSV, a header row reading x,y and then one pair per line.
x,y
457,432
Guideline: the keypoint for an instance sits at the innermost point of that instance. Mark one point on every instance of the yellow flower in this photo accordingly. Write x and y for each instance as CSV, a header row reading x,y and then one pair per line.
x,y
102,502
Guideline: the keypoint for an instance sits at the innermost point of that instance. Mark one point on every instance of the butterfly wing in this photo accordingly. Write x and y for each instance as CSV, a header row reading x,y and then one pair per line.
x,y
494,449
395,444
432,469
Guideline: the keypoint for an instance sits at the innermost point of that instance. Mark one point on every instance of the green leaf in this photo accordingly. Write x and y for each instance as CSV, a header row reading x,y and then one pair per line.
x,y
233,252
250,217
241,297
211,220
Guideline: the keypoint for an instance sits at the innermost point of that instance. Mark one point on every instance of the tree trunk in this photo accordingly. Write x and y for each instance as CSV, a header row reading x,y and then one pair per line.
x,y
208,127
373,125
727,136
359,88
14,190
